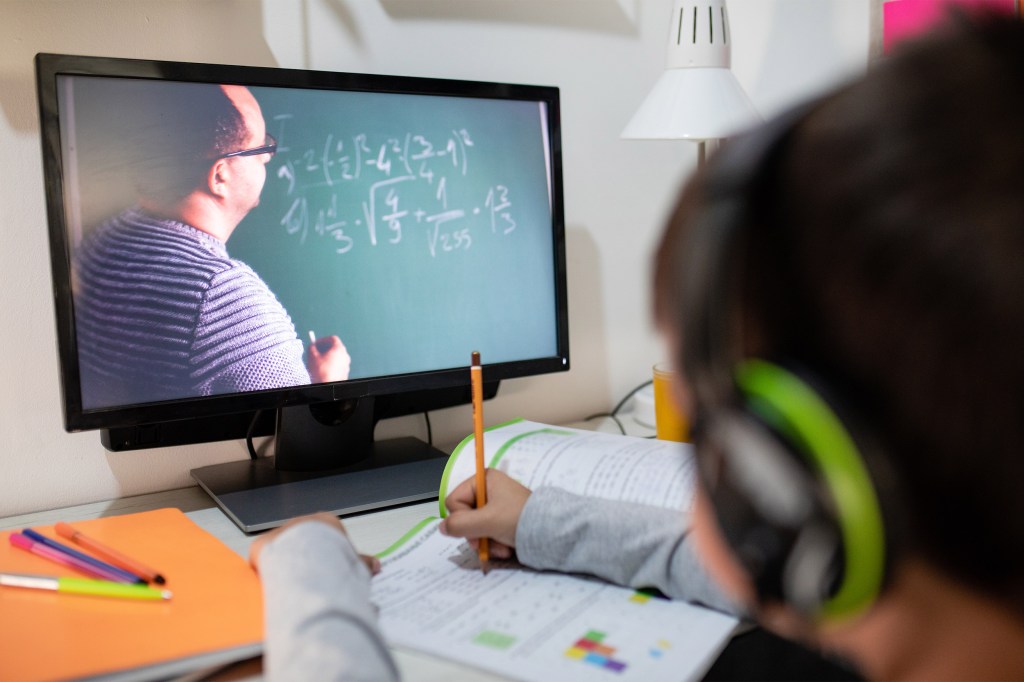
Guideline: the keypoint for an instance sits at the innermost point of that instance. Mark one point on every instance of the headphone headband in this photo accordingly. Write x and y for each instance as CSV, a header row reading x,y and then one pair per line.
x,y
734,175
790,486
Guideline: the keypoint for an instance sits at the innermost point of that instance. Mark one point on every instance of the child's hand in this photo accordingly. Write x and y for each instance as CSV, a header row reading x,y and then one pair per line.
x,y
372,563
498,518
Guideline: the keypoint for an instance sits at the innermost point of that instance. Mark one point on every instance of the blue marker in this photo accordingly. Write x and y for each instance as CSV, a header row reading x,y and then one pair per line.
x,y
121,573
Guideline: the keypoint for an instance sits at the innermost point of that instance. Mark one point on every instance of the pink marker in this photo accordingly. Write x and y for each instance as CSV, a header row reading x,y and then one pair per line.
x,y
22,542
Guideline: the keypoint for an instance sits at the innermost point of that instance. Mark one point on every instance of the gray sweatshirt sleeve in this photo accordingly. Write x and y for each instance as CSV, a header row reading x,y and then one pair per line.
x,y
625,543
319,621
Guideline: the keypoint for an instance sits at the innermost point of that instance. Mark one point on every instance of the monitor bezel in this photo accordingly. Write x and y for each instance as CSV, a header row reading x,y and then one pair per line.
x,y
76,418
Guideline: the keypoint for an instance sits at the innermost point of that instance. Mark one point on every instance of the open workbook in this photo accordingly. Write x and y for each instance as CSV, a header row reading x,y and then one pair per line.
x,y
536,625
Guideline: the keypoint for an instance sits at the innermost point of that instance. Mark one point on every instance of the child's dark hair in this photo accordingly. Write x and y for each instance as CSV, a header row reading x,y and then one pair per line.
x,y
897,217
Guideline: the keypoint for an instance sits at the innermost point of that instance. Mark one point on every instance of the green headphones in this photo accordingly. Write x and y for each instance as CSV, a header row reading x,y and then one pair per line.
x,y
786,471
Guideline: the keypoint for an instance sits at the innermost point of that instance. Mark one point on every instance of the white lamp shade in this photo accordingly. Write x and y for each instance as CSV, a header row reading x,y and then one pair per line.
x,y
701,103
698,97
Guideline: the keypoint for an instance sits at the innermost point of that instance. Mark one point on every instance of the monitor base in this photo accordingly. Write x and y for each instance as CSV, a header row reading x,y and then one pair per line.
x,y
257,496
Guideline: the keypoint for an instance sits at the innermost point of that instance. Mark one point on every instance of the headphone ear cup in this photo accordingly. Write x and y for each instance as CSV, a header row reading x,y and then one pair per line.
x,y
770,510
793,493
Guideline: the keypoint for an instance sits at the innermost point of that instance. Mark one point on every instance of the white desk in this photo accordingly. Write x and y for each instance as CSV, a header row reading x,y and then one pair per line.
x,y
370,532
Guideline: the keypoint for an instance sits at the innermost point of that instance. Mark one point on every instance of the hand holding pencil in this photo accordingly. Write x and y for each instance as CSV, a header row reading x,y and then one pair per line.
x,y
506,498
486,507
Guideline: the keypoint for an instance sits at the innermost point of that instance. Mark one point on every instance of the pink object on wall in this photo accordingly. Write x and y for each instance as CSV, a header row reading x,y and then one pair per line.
x,y
905,18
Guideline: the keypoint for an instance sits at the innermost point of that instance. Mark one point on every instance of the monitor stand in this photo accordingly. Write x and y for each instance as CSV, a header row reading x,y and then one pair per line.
x,y
261,494
257,496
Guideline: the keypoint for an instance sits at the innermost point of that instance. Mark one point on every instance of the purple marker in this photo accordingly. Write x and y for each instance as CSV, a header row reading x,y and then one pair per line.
x,y
22,542
124,576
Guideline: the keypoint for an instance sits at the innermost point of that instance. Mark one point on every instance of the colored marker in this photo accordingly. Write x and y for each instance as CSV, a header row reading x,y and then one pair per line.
x,y
96,588
123,576
110,554
39,549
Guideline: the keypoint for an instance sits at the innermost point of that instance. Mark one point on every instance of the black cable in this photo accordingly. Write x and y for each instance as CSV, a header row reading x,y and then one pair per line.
x,y
430,431
622,429
248,435
631,394
614,413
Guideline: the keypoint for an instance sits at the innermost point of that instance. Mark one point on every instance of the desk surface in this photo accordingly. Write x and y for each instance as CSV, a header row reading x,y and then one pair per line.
x,y
371,533
755,654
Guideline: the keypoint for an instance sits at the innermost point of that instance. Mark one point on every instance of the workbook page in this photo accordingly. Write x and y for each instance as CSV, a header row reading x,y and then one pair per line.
x,y
532,625
591,463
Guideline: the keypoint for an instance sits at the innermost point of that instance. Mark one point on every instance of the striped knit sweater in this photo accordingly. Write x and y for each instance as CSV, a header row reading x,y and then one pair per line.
x,y
162,312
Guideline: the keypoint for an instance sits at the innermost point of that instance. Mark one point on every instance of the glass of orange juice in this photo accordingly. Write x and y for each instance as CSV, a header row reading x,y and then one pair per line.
x,y
669,420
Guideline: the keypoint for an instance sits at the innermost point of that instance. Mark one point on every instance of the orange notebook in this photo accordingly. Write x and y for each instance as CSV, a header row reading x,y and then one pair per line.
x,y
214,616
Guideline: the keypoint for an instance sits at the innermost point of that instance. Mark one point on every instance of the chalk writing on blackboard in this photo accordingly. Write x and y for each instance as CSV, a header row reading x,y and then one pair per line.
x,y
372,191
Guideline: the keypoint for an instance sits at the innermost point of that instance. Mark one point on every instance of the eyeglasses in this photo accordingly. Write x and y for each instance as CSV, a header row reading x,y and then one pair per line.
x,y
268,147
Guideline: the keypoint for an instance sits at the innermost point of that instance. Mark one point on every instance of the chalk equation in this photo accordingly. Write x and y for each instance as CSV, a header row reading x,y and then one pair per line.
x,y
354,190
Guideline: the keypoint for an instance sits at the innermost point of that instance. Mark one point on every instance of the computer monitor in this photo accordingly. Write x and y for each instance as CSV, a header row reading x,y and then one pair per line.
x,y
251,250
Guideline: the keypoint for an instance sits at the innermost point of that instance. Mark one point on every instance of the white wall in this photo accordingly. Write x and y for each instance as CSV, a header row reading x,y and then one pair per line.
x,y
603,54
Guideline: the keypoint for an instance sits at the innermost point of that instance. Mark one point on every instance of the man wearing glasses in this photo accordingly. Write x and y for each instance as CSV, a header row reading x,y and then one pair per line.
x,y
161,310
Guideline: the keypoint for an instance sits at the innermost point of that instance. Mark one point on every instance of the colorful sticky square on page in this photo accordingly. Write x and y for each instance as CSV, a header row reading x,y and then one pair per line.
x,y
589,649
495,640
586,643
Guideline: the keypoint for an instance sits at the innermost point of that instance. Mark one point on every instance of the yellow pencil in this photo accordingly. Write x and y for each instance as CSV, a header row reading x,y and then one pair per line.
x,y
477,384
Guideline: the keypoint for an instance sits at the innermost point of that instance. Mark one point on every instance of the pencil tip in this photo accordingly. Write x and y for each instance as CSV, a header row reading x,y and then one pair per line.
x,y
485,566
159,580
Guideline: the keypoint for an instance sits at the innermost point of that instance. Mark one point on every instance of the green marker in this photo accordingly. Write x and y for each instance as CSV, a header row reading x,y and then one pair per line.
x,y
87,586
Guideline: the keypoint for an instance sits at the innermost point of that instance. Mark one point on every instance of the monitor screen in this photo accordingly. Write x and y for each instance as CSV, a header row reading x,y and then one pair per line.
x,y
230,239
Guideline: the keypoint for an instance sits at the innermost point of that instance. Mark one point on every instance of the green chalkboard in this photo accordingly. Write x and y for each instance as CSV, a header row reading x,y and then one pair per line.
x,y
416,228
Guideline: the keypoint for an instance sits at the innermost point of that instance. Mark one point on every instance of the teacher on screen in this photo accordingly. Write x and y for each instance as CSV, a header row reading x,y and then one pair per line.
x,y
161,310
